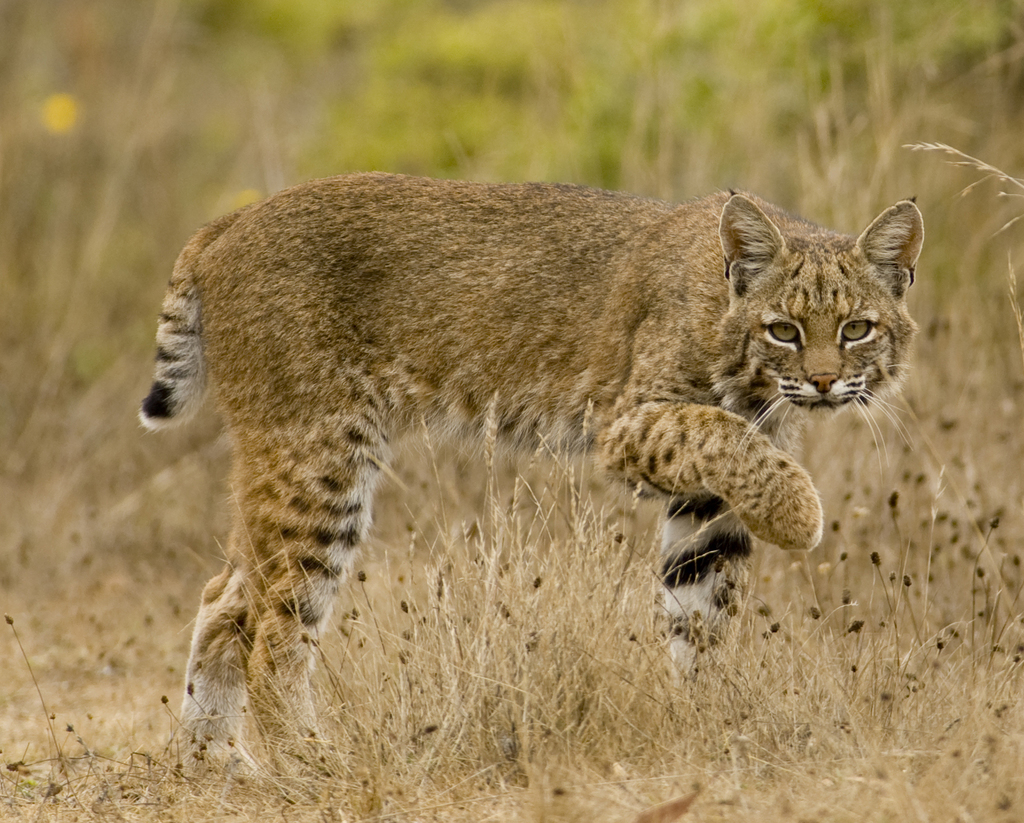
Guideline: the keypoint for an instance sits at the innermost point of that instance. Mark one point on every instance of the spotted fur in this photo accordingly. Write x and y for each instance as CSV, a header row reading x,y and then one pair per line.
x,y
338,315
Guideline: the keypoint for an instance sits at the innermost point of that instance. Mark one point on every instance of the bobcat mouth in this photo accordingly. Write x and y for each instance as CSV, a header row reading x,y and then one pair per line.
x,y
807,395
820,403
826,403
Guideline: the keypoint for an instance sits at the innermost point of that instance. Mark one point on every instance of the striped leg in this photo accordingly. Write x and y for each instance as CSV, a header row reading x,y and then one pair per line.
x,y
303,499
215,693
324,518
705,570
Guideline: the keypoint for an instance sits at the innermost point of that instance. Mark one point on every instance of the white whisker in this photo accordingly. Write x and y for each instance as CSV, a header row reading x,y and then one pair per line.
x,y
759,420
891,414
876,436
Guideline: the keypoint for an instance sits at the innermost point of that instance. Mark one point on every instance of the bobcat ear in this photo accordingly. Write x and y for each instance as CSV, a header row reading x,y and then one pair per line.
x,y
893,243
750,241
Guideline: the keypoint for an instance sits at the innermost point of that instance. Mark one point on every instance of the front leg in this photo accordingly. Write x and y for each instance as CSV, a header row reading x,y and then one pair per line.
x,y
684,448
705,552
725,479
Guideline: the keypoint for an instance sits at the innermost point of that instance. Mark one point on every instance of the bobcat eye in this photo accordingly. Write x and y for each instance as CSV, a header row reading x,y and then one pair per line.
x,y
857,329
784,332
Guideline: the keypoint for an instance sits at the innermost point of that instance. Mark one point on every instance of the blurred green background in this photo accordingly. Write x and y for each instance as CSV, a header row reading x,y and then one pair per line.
x,y
126,125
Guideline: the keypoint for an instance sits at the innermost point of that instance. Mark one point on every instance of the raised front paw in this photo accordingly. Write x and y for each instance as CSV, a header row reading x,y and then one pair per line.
x,y
784,508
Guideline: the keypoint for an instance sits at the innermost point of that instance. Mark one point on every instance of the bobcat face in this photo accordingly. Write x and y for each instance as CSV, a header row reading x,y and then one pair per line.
x,y
823,316
832,338
854,362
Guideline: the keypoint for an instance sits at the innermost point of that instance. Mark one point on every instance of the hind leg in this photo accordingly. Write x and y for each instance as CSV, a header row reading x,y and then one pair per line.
x,y
705,571
215,691
302,507
305,505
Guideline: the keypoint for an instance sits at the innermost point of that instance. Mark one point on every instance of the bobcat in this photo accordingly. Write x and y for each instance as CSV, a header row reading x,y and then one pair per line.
x,y
337,315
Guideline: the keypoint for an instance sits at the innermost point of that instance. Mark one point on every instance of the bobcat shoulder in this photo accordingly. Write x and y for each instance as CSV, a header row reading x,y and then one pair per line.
x,y
335,316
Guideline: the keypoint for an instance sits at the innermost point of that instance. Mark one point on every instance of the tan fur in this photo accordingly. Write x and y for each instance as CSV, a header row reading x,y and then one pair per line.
x,y
339,314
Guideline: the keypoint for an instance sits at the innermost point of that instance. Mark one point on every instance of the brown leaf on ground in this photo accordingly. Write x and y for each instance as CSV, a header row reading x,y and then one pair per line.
x,y
666,812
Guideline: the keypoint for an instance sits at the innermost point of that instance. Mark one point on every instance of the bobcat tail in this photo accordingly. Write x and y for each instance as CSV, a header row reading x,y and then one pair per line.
x,y
179,381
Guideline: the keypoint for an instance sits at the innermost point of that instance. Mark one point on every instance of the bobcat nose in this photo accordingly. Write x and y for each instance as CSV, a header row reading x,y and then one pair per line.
x,y
823,382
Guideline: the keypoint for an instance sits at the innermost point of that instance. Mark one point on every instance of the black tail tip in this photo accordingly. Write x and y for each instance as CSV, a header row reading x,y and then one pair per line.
x,y
158,402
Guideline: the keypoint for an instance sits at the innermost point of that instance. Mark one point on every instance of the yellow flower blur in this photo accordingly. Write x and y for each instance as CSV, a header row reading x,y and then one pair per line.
x,y
60,113
245,197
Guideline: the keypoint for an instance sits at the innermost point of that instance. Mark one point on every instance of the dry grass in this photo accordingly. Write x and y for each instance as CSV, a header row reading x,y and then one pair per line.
x,y
503,658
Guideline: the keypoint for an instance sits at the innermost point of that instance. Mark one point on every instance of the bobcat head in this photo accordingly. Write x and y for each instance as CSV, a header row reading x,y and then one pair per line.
x,y
815,318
